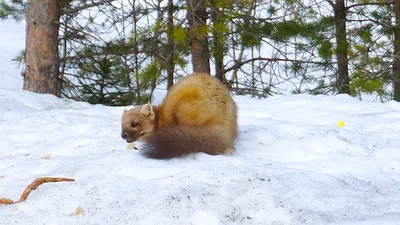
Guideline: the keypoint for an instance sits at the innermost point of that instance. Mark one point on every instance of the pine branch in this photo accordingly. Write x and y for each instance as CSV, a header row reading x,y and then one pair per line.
x,y
389,2
239,64
79,8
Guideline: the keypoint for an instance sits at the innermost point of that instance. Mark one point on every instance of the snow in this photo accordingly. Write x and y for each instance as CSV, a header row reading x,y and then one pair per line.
x,y
292,165
12,42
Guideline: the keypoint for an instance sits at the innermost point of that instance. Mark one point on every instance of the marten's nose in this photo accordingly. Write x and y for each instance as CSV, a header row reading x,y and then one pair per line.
x,y
124,135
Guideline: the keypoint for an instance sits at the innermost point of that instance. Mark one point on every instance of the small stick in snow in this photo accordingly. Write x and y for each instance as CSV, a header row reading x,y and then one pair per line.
x,y
6,201
132,146
32,186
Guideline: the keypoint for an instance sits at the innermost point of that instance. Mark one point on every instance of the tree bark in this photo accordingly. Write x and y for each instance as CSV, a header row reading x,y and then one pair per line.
x,y
341,49
42,59
396,63
197,15
218,46
170,45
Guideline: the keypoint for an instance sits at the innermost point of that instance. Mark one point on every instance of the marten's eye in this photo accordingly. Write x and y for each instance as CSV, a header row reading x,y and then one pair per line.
x,y
135,124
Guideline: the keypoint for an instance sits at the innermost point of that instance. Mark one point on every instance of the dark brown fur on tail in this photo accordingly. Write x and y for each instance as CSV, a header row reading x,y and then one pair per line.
x,y
176,141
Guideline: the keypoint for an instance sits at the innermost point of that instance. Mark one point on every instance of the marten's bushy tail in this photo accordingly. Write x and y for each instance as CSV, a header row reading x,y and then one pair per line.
x,y
180,140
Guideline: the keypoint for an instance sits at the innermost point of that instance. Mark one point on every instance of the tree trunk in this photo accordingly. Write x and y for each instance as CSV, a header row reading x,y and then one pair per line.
x,y
218,46
396,63
170,45
197,16
136,65
42,59
341,49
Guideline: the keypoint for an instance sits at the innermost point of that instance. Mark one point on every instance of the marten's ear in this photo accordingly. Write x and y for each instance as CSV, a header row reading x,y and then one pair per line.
x,y
147,110
123,112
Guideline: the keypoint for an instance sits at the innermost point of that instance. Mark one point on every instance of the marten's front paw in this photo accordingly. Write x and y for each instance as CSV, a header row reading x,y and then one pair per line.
x,y
229,151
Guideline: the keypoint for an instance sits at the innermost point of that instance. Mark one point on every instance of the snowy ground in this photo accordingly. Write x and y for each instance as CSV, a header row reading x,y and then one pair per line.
x,y
293,165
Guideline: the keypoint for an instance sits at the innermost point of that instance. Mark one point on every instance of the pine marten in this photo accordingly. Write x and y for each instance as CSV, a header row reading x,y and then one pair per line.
x,y
198,114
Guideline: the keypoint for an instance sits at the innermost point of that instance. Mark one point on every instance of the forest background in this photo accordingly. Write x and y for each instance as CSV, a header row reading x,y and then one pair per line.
x,y
118,52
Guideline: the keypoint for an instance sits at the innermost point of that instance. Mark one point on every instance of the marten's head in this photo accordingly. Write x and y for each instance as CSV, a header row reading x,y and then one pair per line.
x,y
137,123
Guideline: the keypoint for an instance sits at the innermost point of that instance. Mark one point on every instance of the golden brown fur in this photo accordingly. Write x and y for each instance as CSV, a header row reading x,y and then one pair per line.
x,y
197,115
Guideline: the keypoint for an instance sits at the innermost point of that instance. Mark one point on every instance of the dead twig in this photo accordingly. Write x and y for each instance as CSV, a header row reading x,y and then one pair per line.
x,y
32,186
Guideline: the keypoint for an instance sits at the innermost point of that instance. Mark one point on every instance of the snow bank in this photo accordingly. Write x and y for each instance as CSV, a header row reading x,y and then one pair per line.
x,y
12,42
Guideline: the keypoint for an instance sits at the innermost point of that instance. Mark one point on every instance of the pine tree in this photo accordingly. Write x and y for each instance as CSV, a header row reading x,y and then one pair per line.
x,y
42,59
197,15
396,66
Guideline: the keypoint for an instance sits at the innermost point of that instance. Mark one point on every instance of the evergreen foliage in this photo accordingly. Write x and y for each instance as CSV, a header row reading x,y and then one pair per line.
x,y
14,9
117,52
